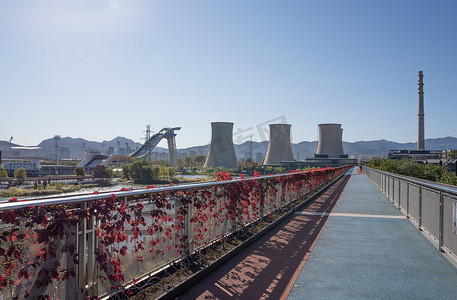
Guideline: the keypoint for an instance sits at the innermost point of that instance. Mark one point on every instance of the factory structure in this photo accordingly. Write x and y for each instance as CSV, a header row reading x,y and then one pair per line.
x,y
279,147
420,154
221,150
279,154
330,151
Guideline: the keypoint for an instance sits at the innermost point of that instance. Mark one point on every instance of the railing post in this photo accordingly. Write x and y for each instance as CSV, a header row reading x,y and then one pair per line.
x,y
441,224
91,264
82,258
278,195
187,230
388,187
420,208
262,199
235,216
385,183
189,227
399,194
290,193
393,191
407,199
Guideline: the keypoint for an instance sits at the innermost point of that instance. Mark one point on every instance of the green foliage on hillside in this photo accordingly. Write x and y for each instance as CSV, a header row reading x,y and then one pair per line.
x,y
414,169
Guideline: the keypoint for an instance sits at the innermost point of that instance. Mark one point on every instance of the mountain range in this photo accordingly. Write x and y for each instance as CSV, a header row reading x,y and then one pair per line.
x,y
305,149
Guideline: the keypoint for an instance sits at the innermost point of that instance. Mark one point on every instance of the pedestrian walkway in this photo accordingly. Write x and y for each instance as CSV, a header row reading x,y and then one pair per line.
x,y
267,268
369,250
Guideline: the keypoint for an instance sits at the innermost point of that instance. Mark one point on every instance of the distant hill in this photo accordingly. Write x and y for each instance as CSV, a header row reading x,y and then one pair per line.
x,y
76,144
360,149
382,147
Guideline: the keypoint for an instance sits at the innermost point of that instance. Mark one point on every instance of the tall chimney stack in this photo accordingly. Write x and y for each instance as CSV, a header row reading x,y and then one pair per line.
x,y
420,138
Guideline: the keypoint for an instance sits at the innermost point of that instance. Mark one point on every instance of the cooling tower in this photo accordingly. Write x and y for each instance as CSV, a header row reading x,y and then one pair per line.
x,y
330,141
221,151
279,148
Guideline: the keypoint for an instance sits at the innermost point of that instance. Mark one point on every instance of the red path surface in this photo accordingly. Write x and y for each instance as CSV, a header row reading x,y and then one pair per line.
x,y
268,268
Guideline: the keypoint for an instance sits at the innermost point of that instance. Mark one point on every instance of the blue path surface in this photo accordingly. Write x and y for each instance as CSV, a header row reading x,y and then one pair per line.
x,y
369,250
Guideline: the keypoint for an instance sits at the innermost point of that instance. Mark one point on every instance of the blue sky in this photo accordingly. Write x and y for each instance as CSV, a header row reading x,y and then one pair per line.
x,y
101,69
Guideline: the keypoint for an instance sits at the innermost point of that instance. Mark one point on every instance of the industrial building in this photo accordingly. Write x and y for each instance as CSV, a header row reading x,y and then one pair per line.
x,y
221,150
32,168
419,155
330,141
330,151
279,147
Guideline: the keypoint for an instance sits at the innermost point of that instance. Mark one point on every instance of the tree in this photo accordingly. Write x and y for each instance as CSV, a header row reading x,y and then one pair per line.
x,y
171,173
110,172
199,160
180,164
163,172
155,173
3,172
135,171
146,172
20,173
449,178
125,171
188,161
248,161
79,171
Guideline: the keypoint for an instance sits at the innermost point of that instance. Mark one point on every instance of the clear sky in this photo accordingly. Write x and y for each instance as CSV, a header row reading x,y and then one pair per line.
x,y
98,69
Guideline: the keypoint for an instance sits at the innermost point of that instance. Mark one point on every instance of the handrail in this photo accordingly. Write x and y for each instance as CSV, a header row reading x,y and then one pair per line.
x,y
105,195
430,212
426,183
98,246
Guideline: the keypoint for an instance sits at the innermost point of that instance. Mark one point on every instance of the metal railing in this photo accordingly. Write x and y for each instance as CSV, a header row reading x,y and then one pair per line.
x,y
431,207
73,247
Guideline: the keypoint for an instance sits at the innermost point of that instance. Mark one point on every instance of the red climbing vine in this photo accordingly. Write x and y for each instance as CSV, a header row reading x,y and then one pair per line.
x,y
39,244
